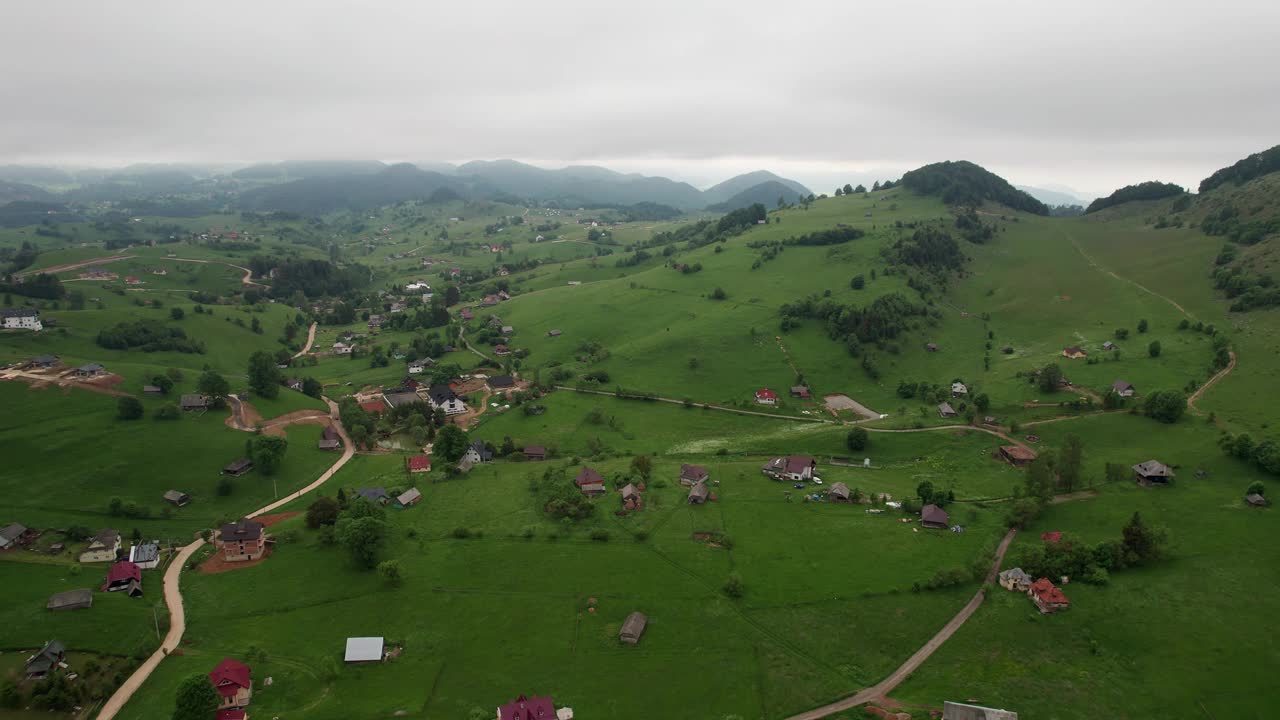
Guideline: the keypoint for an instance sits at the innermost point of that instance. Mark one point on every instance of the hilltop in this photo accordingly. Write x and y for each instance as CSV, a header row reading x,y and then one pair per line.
x,y
766,193
965,183
725,191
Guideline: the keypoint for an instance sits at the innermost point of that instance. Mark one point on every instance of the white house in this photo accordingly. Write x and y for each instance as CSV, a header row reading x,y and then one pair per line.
x,y
102,548
442,397
341,348
418,286
145,556
417,366
796,468
958,389
21,319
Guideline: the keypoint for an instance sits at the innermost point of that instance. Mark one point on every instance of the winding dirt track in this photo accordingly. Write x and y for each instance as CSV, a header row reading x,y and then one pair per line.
x,y
311,338
1231,365
172,575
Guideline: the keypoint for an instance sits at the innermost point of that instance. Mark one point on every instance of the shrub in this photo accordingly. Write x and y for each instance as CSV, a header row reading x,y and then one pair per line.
x,y
733,587
600,535
129,408
461,533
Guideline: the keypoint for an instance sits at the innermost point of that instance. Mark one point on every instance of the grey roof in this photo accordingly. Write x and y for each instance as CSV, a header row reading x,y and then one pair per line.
x,y
18,312
946,409
48,657
501,381
193,401
695,473
1153,468
146,552
482,450
372,494
1255,499
633,627
363,649
176,496
840,490
401,398
12,532
106,537
71,600
239,465
441,394
409,496
699,491
1121,386
240,530
1014,574
91,367
45,359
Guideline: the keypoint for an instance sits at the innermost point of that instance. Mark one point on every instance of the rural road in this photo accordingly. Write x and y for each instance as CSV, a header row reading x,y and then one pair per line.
x,y
173,592
54,269
1231,365
702,405
248,274
311,338
886,686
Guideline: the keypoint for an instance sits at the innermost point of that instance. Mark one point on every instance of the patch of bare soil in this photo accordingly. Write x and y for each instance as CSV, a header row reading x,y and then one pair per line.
x,y
218,564
276,426
844,402
269,520
243,416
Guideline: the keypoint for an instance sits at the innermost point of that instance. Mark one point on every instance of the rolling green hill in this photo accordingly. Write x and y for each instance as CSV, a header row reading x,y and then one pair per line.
x,y
964,183
766,193
723,192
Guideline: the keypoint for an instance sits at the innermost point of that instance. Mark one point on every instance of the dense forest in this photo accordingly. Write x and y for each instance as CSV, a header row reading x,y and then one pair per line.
x,y
884,319
928,248
313,278
1256,165
964,183
147,336
1150,190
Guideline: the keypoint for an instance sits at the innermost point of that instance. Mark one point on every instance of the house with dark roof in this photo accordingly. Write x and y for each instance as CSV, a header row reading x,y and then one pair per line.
x,y
500,382
1017,455
839,493
89,371
699,493
478,452
145,555
242,540
238,467
194,402
1074,353
633,627
103,547
554,333
1108,345
795,468
501,350
631,499
375,495
44,361
443,397
233,682
800,391
124,577
1153,472
20,319
590,482
1122,388
1015,579
11,535
945,410
329,439
526,708
535,452
418,366
691,475
46,661
71,600
932,516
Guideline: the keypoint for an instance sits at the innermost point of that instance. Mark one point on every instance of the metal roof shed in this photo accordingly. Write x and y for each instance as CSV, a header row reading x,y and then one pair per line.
x,y
363,649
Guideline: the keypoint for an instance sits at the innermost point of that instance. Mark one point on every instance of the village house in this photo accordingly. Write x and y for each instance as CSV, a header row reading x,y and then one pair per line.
x,y
478,452
238,467
242,540
363,650
375,495
330,439
292,383
796,468
408,498
442,397
1255,500
839,493
800,391
765,396
590,482
1017,455
53,654
234,683
1048,597
145,555
631,499
945,410
194,402
633,627
103,547
501,350
71,600
1074,353
417,366
699,493
419,463
341,348
12,535
1122,388
504,295
1108,345
1015,579
535,452
932,516
525,708
507,330
466,314
20,319
125,577
958,389
91,370
1153,472
691,475
375,321
44,362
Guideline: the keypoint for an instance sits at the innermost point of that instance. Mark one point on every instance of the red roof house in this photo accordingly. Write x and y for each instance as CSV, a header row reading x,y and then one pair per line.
x,y
125,576
1039,586
420,463
1048,597
373,406
765,396
525,708
501,350
234,682
590,482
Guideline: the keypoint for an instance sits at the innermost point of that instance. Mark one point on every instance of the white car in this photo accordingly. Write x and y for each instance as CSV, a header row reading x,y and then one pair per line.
x,y
817,481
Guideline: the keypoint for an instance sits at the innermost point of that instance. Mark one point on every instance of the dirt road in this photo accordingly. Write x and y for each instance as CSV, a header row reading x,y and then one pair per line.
x,y
1231,365
248,274
173,592
311,338
705,405
53,269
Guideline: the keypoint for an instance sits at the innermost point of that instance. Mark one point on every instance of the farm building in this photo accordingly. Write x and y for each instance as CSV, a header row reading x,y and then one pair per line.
x,y
238,467
590,482
375,495
89,371
931,347
965,711
12,535
765,396
124,577
71,600
535,452
242,540
945,410
554,333
1017,455
44,361
478,452
500,382
44,662
234,683
1048,597
526,708
341,348
631,497
1153,472
932,516
793,467
363,650
176,497
103,547
408,498
152,390
692,474
1074,353
418,366
698,494
1015,579
145,555
193,402
633,627
840,493
1122,388
1255,500
800,391
329,439
419,463
959,389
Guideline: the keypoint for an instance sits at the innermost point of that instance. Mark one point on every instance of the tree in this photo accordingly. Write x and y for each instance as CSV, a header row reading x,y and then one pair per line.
x,y
857,439
839,192
1140,543
719,294
176,313
860,189
213,385
1256,488
848,190
312,387
1154,348
196,699
164,382
1070,461
390,569
362,537
268,452
324,511
264,376
129,408
642,465
452,295
926,492
1039,479
451,443
1167,406
1142,326
858,282
982,402
1049,377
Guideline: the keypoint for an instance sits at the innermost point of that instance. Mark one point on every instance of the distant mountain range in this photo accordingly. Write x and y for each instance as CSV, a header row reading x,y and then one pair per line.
x,y
1057,195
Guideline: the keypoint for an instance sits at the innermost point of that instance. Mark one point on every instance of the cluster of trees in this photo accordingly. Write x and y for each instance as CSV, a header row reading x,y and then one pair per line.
x,y
1150,190
147,336
1256,165
1248,291
1265,455
972,228
1226,221
264,376
930,249
929,495
267,452
849,189
559,497
964,183
41,285
1167,406
884,319
313,278
1139,544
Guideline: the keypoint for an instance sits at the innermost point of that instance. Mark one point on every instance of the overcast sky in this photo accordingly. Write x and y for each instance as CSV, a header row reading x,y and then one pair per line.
x,y
1088,94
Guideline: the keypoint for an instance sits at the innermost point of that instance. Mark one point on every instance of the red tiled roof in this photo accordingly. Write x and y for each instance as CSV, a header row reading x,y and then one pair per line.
x,y
1051,537
1054,596
229,676
525,708
766,394
373,406
121,571
1041,586
588,476
420,462
797,464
